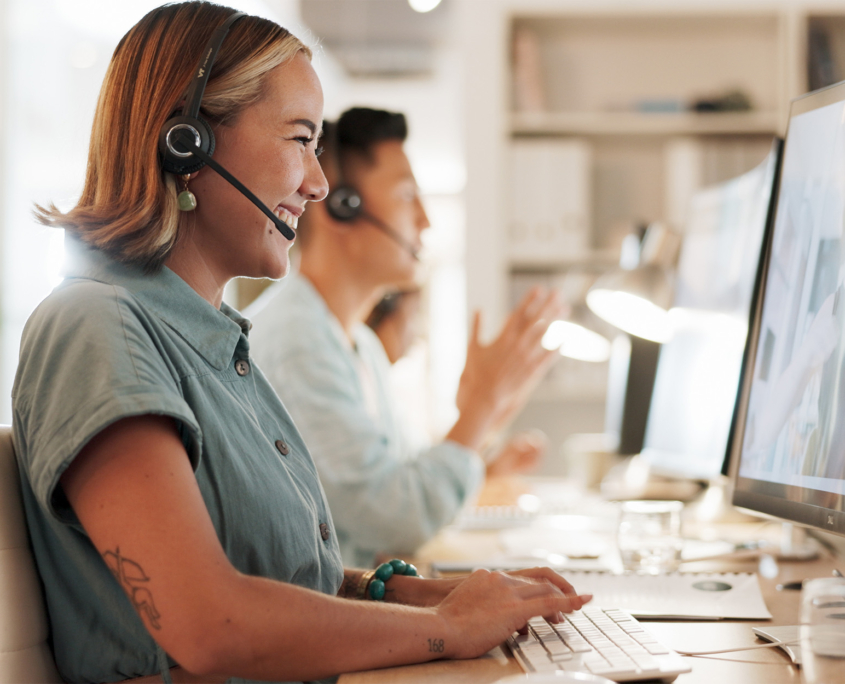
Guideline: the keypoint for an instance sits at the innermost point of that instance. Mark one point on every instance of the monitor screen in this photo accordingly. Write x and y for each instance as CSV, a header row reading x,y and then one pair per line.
x,y
792,440
698,372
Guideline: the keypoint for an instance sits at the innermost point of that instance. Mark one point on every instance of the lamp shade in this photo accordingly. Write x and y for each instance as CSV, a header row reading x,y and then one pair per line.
x,y
582,336
576,341
635,300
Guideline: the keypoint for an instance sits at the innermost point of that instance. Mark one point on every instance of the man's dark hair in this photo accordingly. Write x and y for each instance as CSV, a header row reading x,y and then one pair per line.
x,y
360,129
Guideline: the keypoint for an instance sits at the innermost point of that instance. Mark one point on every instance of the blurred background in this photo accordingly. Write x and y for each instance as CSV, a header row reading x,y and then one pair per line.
x,y
546,135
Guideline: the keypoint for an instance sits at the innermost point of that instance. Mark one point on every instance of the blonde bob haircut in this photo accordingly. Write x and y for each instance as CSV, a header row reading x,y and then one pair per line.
x,y
128,206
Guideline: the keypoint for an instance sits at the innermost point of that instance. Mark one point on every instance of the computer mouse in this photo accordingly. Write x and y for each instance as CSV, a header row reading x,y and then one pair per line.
x,y
558,677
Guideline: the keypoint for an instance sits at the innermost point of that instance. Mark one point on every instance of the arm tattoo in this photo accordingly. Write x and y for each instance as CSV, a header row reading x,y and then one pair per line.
x,y
436,645
131,577
349,586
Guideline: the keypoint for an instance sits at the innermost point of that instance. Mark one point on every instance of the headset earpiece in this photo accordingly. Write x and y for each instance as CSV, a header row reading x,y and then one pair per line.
x,y
175,158
344,203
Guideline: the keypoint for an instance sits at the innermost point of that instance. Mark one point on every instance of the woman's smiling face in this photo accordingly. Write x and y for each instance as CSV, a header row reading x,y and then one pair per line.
x,y
271,149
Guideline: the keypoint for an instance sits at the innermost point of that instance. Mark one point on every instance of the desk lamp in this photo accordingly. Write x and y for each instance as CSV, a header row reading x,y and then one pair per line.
x,y
578,337
637,299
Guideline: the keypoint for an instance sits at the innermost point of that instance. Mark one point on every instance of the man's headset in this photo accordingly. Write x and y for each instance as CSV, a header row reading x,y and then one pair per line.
x,y
186,141
345,204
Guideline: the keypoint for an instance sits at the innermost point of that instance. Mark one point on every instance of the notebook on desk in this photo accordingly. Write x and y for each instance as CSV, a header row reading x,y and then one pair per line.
x,y
679,596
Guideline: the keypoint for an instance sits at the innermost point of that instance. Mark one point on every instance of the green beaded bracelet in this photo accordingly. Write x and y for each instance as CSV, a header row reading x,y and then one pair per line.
x,y
384,572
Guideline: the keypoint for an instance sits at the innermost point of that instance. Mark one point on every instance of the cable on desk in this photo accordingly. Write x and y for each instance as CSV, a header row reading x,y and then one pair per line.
x,y
772,644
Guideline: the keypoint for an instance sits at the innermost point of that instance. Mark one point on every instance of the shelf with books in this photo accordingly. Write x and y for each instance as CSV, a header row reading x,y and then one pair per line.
x,y
595,260
644,123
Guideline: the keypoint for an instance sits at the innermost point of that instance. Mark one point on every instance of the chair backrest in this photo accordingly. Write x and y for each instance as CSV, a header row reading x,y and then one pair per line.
x,y
24,652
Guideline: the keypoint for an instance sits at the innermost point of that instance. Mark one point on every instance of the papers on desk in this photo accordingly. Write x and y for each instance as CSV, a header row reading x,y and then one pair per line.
x,y
680,596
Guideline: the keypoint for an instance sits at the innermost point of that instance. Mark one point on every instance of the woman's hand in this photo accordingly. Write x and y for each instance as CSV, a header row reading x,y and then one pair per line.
x,y
499,377
520,454
415,591
487,607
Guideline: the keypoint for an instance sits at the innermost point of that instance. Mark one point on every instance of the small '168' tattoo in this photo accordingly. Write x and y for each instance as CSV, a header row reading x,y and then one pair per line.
x,y
436,646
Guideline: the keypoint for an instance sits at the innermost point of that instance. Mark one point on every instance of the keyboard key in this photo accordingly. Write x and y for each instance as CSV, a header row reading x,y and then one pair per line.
x,y
611,670
580,646
557,647
594,660
645,662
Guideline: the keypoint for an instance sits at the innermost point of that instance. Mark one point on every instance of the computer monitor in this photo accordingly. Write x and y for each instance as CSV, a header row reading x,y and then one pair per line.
x,y
699,369
791,437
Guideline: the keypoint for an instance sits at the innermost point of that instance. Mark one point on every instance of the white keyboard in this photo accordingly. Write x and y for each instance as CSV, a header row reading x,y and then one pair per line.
x,y
607,642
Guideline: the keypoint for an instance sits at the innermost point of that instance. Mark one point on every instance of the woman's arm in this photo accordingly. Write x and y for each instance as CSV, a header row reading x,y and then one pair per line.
x,y
413,591
406,590
135,494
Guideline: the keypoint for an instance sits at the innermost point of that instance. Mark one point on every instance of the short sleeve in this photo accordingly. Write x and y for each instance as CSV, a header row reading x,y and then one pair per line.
x,y
90,356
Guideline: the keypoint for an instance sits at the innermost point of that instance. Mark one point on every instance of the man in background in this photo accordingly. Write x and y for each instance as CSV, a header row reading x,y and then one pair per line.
x,y
331,371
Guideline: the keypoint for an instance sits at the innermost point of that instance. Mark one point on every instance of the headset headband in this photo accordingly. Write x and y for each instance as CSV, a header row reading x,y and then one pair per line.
x,y
193,98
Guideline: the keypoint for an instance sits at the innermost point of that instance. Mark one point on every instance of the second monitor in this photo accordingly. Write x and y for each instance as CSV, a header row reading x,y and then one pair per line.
x,y
698,372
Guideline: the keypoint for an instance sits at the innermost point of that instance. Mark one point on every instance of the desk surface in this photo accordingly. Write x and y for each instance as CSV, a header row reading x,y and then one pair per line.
x,y
762,666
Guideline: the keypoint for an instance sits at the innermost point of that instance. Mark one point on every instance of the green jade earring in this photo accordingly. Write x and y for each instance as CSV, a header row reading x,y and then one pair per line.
x,y
186,199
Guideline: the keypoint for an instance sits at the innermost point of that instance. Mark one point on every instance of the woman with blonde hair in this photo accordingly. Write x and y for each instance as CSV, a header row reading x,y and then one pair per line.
x,y
176,516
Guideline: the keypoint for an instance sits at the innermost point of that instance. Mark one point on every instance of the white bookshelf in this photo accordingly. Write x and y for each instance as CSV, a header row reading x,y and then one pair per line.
x,y
636,123
601,63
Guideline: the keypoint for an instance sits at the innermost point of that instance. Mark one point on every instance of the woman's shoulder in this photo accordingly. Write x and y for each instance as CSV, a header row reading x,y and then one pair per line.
x,y
89,319
79,302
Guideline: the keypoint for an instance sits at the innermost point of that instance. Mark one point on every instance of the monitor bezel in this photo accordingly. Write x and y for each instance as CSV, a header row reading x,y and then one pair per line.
x,y
784,502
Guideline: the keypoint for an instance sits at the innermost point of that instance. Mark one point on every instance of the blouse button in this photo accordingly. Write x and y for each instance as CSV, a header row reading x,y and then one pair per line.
x,y
283,448
242,367
324,531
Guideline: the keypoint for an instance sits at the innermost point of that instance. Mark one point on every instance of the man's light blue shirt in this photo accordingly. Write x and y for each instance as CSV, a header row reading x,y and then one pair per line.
x,y
385,494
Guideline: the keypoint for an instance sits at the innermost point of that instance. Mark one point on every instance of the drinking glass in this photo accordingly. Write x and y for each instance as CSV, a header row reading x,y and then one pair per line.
x,y
823,630
649,536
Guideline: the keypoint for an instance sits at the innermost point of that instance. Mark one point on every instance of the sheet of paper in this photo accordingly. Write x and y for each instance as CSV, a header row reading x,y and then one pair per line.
x,y
686,596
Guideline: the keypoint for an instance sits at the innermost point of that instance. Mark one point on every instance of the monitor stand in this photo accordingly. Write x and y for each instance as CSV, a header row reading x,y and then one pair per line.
x,y
714,505
633,478
788,634
796,544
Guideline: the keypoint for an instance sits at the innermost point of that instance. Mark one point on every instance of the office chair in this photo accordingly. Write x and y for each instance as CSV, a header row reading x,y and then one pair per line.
x,y
25,656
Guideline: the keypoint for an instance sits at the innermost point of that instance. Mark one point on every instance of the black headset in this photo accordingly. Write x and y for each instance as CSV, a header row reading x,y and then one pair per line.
x,y
186,141
345,204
